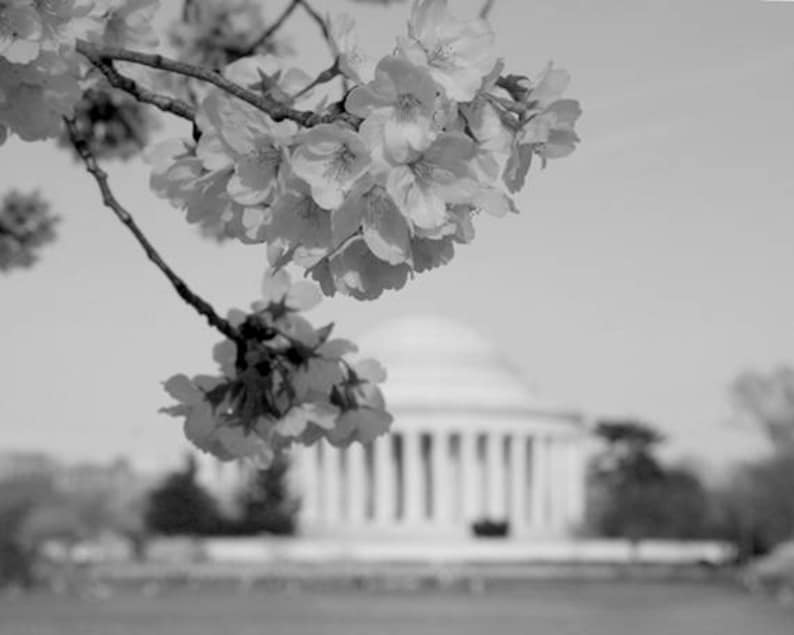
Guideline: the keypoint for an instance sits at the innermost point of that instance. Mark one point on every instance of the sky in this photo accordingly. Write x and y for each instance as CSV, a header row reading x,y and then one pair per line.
x,y
644,273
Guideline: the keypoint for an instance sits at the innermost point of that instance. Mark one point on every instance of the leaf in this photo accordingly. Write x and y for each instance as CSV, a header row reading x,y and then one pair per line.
x,y
337,348
517,168
347,219
182,389
567,111
275,285
386,232
494,202
303,296
371,370
324,333
375,423
431,254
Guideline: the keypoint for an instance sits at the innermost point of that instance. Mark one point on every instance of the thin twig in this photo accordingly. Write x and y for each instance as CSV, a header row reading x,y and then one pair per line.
x,y
203,307
186,7
323,78
321,23
271,30
275,109
122,82
486,9
325,29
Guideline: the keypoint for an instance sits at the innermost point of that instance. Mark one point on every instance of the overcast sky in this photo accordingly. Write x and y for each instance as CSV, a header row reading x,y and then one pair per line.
x,y
643,274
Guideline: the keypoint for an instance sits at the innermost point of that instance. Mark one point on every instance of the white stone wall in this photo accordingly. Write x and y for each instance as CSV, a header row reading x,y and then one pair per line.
x,y
439,478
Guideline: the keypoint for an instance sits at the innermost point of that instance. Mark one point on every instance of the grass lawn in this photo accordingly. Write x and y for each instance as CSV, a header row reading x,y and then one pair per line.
x,y
553,608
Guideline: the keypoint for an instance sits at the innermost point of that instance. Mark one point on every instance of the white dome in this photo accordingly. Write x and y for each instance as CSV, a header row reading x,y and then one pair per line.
x,y
434,363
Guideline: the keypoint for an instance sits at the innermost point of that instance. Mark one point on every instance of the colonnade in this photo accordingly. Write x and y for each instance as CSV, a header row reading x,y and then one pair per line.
x,y
444,481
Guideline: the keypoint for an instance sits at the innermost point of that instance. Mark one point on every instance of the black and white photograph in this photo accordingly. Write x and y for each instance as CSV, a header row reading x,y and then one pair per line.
x,y
396,317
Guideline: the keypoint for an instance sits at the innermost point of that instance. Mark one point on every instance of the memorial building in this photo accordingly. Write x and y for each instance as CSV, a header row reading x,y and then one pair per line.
x,y
471,444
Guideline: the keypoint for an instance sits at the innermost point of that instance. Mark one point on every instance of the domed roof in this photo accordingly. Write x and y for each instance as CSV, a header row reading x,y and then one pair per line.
x,y
435,363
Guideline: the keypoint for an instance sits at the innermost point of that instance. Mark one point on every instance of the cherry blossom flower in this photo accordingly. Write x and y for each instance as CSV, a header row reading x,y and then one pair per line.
x,y
299,224
249,141
128,23
354,63
404,98
423,186
330,159
278,288
183,174
20,31
288,383
370,211
34,97
552,131
201,426
63,21
458,53
356,271
547,127
266,74
26,225
113,124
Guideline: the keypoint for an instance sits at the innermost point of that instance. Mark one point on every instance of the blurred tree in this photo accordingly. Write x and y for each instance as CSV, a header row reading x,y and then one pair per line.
x,y
19,496
756,506
266,505
633,495
181,506
26,224
768,400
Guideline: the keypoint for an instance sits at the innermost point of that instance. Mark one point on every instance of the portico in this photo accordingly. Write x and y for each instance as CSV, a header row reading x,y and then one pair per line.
x,y
470,442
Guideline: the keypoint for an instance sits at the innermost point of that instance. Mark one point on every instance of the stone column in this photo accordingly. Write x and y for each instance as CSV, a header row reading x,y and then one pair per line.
x,y
414,485
576,483
356,485
310,485
495,469
332,503
539,486
558,477
518,483
442,485
385,486
470,479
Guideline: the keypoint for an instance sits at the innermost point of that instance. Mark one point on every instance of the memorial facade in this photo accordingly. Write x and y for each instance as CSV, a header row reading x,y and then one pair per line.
x,y
471,442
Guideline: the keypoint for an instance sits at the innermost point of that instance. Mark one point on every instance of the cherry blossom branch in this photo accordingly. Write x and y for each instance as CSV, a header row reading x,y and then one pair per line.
x,y
122,82
110,201
275,109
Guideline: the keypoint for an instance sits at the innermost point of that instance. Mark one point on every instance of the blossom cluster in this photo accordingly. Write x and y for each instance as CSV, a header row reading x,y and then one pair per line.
x,y
283,382
41,75
113,124
26,224
389,180
360,190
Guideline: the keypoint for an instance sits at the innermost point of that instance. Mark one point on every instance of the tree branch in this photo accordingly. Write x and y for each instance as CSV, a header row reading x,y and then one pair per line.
x,y
166,104
201,306
275,109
